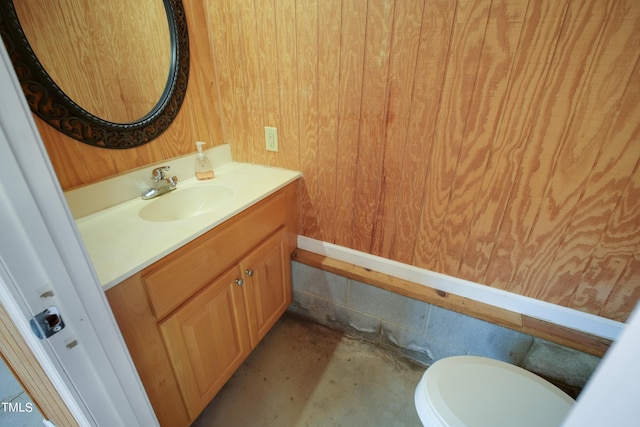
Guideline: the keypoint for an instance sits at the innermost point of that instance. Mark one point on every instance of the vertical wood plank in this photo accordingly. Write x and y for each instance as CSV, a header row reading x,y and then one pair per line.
x,y
405,38
500,42
329,31
371,141
559,195
466,43
627,294
225,37
205,122
531,63
354,16
288,132
597,120
609,281
514,249
433,51
251,84
267,52
307,54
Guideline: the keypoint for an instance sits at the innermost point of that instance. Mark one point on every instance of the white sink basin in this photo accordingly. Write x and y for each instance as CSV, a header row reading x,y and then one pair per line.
x,y
185,203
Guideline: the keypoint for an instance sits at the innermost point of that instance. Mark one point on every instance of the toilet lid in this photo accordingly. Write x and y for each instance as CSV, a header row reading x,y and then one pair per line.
x,y
471,391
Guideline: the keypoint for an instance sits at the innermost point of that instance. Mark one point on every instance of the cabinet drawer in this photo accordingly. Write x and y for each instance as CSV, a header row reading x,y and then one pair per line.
x,y
181,274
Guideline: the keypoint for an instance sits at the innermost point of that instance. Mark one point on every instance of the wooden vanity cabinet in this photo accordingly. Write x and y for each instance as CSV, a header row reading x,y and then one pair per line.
x,y
210,336
192,318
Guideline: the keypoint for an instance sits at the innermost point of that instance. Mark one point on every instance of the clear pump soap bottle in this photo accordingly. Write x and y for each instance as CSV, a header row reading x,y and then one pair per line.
x,y
203,167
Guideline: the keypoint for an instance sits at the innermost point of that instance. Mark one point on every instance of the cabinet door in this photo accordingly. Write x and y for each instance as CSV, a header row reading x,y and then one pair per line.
x,y
267,275
207,340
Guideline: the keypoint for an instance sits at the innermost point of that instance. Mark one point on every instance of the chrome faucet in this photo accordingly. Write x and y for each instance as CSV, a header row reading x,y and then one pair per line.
x,y
161,184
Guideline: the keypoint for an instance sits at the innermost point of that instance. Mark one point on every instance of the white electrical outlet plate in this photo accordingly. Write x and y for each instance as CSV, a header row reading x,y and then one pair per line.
x,y
271,138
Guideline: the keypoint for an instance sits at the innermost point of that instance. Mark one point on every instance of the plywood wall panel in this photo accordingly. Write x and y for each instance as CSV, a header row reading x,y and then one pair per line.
x,y
493,140
352,40
267,56
433,52
461,72
405,38
251,79
524,236
373,122
307,78
500,42
329,36
226,35
588,135
288,130
203,102
540,31
565,162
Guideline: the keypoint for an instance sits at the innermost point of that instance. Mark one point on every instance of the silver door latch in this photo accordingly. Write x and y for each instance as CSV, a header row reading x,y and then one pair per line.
x,y
47,323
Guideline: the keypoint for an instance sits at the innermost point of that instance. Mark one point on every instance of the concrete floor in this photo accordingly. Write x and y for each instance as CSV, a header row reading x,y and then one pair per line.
x,y
304,374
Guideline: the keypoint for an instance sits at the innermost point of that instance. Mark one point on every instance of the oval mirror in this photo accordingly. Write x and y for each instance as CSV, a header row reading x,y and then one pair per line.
x,y
118,114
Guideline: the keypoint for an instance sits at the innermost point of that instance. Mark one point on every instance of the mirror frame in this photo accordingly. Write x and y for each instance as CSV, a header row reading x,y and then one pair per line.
x,y
51,104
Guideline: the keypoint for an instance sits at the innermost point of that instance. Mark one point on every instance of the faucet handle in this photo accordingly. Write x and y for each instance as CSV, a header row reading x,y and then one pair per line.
x,y
158,173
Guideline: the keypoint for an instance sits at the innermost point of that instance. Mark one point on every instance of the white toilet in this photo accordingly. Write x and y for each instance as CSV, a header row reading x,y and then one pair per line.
x,y
471,391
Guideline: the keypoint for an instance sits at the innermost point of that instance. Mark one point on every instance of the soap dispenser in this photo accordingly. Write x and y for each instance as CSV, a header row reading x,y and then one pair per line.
x,y
203,167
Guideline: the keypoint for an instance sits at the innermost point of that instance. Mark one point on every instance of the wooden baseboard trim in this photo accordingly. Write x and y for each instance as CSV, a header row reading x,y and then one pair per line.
x,y
562,335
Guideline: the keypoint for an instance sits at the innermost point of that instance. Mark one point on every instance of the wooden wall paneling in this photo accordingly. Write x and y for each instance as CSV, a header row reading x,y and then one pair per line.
x,y
626,294
98,161
307,54
371,140
565,162
538,38
225,38
124,160
513,253
251,71
203,104
267,52
405,38
614,261
329,31
70,173
288,132
354,16
466,43
433,51
491,84
608,166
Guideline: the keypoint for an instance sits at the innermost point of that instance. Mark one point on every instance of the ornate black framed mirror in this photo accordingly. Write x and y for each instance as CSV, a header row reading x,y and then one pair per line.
x,y
49,102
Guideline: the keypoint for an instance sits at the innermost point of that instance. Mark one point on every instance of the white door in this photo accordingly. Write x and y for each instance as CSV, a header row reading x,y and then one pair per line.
x,y
43,263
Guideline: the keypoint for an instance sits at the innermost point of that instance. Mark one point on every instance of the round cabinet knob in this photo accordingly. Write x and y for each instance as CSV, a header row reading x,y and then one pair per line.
x,y
249,272
239,282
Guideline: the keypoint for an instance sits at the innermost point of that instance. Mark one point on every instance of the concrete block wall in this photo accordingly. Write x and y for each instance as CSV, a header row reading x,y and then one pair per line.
x,y
425,332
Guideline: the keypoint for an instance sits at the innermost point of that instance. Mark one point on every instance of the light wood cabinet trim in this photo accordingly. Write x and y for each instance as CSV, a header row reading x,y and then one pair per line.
x,y
175,278
516,321
137,323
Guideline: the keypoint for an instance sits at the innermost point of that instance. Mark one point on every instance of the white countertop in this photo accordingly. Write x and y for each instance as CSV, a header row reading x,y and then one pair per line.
x,y
121,243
